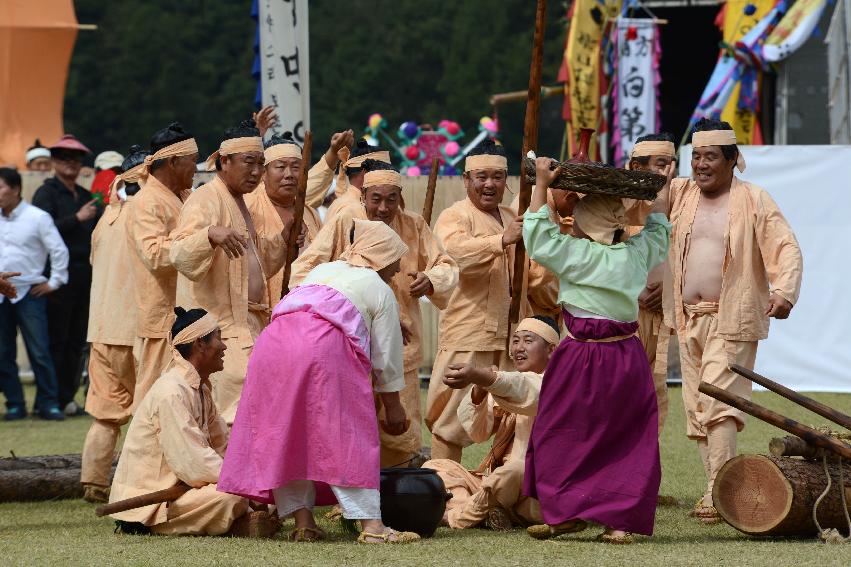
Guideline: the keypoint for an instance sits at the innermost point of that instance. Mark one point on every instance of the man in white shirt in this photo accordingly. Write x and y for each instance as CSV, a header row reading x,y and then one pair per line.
x,y
27,236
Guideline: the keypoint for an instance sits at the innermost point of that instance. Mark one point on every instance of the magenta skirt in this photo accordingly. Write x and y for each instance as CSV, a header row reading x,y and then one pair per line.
x,y
594,450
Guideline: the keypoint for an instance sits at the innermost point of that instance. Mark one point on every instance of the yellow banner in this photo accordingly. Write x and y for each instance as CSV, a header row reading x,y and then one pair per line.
x,y
736,25
582,56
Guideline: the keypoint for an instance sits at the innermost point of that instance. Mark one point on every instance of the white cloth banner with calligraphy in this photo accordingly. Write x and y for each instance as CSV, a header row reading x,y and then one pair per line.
x,y
635,102
284,63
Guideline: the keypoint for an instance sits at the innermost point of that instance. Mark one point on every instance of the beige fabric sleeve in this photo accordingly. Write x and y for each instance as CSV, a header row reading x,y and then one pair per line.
x,y
320,251
473,255
438,266
781,252
145,225
184,445
517,392
319,178
476,419
191,250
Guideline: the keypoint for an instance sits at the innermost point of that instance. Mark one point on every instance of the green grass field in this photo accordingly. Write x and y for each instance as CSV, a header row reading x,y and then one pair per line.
x,y
69,533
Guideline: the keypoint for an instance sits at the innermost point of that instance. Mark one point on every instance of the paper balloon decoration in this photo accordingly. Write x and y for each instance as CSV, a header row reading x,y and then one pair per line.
x,y
413,171
451,148
412,152
409,130
376,121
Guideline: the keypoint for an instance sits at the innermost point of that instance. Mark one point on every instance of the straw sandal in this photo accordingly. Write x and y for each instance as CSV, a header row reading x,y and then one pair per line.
x,y
706,514
335,513
255,525
545,531
499,520
307,535
625,539
398,537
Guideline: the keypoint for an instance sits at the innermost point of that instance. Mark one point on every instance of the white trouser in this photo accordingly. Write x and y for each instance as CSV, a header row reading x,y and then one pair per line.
x,y
357,503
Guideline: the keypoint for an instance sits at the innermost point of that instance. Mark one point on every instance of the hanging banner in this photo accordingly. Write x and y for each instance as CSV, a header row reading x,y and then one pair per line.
x,y
634,101
284,62
741,17
794,29
581,67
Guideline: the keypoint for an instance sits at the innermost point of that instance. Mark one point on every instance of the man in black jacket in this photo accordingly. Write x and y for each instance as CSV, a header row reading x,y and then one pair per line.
x,y
75,213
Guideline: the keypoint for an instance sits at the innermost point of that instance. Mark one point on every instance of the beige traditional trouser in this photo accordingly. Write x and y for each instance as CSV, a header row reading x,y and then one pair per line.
x,y
448,436
202,511
705,357
152,355
473,495
227,384
656,337
112,381
398,450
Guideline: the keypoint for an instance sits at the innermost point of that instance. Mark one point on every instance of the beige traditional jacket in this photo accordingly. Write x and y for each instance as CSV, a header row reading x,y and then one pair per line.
x,y
112,310
512,393
216,283
763,256
176,436
319,178
268,223
152,217
424,255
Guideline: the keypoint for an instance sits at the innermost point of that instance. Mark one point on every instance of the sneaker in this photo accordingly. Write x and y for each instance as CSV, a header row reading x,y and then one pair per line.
x,y
73,410
14,414
53,414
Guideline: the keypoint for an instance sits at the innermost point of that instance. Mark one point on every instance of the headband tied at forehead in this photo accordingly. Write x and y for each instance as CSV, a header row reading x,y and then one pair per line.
x,y
719,138
539,328
357,161
200,328
485,161
280,151
177,149
235,146
652,148
382,177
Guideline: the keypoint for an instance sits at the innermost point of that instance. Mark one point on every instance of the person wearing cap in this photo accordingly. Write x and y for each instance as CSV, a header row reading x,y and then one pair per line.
x,y
653,153
735,263
427,271
151,220
501,405
271,205
75,212
350,179
28,237
38,157
593,455
178,437
479,234
112,371
307,420
107,167
226,261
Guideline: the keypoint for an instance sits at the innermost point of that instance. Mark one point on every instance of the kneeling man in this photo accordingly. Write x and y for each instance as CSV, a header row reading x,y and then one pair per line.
x,y
177,436
501,405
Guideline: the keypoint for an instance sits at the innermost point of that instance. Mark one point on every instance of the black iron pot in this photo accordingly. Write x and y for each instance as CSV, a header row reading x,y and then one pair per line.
x,y
412,500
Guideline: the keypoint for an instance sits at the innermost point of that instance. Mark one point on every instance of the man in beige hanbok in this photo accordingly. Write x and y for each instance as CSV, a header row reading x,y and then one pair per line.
x,y
350,179
177,436
426,271
479,234
112,370
501,405
735,262
217,248
152,217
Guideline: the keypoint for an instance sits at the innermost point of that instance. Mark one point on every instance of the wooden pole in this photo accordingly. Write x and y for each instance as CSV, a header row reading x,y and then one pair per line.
x,y
517,96
432,184
826,412
808,434
530,141
791,446
298,212
157,497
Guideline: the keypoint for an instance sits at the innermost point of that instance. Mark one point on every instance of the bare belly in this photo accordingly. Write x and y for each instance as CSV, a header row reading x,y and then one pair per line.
x,y
256,285
703,270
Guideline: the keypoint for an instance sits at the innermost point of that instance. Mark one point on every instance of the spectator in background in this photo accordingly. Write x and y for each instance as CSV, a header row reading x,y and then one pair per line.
x,y
107,167
27,236
38,157
75,213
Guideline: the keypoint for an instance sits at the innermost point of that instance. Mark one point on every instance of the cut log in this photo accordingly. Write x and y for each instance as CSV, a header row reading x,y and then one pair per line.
x,y
44,477
790,446
774,496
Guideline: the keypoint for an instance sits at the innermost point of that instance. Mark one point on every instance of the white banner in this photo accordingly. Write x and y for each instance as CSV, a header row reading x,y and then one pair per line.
x,y
636,84
285,63
809,350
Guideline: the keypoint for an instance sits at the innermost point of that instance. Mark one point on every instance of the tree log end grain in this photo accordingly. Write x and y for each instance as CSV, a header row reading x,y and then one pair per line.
x,y
751,494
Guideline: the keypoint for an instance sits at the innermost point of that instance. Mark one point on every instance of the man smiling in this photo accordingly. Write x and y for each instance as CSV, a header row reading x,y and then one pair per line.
x,y
735,262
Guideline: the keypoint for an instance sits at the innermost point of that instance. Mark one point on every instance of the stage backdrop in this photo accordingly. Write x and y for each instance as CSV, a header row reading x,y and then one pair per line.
x,y
810,350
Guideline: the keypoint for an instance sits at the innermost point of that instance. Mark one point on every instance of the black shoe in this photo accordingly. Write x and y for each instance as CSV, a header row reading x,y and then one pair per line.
x,y
14,414
53,414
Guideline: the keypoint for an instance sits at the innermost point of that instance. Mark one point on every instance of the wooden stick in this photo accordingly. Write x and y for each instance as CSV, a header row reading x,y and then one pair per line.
x,y
826,412
298,212
432,184
791,446
157,497
808,434
517,96
530,141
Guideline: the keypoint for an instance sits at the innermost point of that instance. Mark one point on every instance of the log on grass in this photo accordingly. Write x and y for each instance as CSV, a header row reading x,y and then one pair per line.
x,y
774,496
72,461
43,477
791,446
